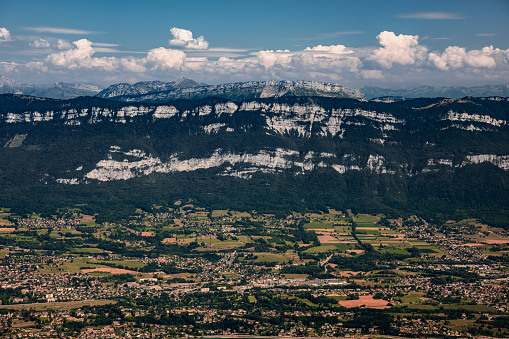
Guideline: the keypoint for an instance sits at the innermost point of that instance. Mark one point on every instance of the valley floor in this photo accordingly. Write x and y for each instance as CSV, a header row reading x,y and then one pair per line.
x,y
183,271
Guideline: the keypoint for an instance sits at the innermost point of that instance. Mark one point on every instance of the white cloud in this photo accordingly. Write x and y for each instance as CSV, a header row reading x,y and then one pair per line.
x,y
59,30
337,63
400,49
37,65
103,44
334,49
183,38
437,15
8,66
452,58
133,64
63,44
270,58
5,35
335,57
482,58
166,58
40,43
75,57
455,57
81,57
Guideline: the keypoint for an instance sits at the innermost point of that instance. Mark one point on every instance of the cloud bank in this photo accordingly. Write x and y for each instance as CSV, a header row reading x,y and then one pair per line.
x,y
398,58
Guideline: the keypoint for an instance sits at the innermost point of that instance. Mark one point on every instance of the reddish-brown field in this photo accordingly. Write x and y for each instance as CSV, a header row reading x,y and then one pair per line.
x,y
496,241
349,273
327,239
354,251
7,229
109,270
365,301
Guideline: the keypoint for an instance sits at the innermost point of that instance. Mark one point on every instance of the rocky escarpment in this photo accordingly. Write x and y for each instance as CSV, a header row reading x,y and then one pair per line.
x,y
236,91
412,155
381,138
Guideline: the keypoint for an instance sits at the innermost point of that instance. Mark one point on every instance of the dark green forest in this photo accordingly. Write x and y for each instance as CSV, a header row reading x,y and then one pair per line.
x,y
54,149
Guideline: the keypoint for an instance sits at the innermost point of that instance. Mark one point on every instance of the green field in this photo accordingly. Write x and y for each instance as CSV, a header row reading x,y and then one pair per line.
x,y
128,263
326,248
270,257
319,225
366,218
86,250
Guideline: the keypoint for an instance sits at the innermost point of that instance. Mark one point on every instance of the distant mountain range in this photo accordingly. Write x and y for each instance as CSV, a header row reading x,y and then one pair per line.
x,y
146,87
453,92
183,88
157,92
60,90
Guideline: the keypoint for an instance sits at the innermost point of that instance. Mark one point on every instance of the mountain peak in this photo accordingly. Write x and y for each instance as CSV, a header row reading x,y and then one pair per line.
x,y
144,87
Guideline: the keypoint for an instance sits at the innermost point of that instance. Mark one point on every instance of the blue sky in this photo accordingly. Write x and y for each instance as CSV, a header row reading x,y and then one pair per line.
x,y
396,44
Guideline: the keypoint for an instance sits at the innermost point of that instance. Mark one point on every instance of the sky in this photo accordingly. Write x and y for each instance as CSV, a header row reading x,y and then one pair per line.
x,y
390,44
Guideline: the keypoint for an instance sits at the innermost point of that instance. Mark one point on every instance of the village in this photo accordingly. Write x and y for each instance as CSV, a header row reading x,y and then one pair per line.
x,y
189,272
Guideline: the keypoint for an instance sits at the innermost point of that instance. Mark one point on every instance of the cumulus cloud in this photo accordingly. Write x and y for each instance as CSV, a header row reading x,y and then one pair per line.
x,y
133,65
5,35
400,49
75,57
183,38
270,58
81,57
312,59
482,59
334,49
40,43
455,57
451,58
63,44
166,58
409,60
8,66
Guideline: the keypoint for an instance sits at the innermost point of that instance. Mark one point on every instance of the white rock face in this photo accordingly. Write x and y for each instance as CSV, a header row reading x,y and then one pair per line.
x,y
501,161
213,128
299,119
465,117
265,161
226,108
245,165
72,181
165,112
